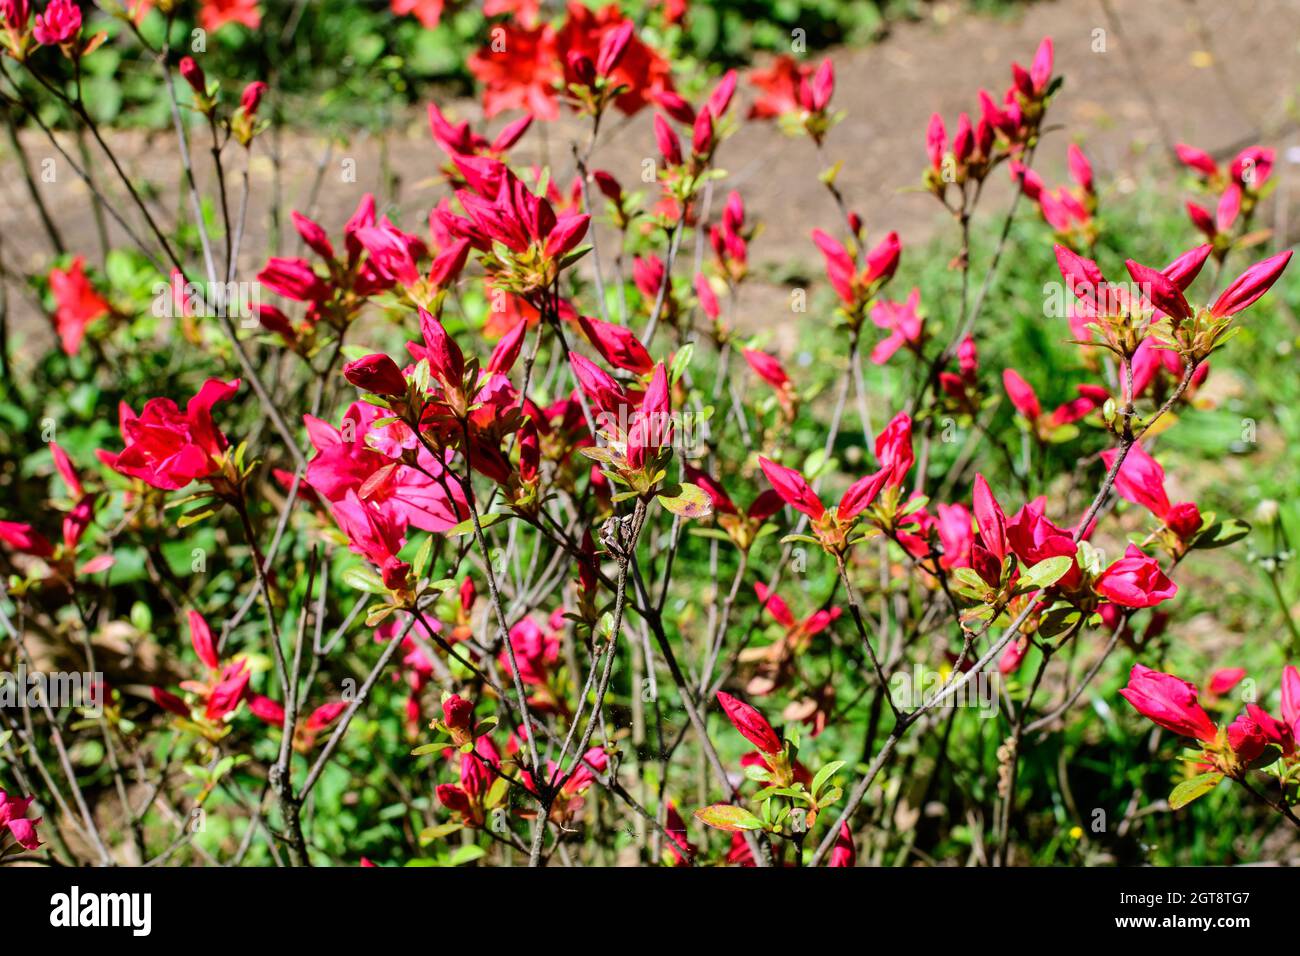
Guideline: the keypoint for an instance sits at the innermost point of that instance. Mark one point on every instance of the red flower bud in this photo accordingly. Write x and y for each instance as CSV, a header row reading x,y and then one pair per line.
x,y
1183,519
376,373
251,98
201,638
581,68
793,488
193,74
1250,285
612,47
670,147
752,725
457,712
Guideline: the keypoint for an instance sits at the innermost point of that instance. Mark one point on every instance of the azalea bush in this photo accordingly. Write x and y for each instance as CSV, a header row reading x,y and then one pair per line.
x,y
495,536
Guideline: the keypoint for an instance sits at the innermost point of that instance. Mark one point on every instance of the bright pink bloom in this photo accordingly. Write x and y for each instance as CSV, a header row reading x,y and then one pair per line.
x,y
60,23
861,494
851,286
956,535
903,323
704,292
670,146
457,712
1274,731
1090,397
324,715
13,815
598,385
251,99
1202,219
1080,168
936,141
652,426
266,710
608,40
24,538
1034,538
1135,580
535,651
373,533
1168,701
1140,480
1246,738
775,605
359,459
1160,290
1252,167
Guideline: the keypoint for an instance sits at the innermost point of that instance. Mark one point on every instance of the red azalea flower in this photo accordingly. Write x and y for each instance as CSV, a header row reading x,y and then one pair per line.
x,y
215,14
518,69
168,448
77,304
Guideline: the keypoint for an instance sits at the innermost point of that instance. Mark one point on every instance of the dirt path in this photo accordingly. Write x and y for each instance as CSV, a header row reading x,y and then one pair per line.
x,y
1214,74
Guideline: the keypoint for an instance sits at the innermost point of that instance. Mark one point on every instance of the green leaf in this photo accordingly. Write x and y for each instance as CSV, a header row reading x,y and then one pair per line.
x,y
1058,619
681,361
801,538
970,577
377,614
485,521
1044,573
194,517
914,505
825,774
1221,534
724,816
687,501
423,749
429,834
467,854
1193,789
422,557
363,579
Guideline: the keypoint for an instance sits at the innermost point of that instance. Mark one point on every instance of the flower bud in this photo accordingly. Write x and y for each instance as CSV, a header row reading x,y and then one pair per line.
x,y
376,373
457,712
193,74
252,97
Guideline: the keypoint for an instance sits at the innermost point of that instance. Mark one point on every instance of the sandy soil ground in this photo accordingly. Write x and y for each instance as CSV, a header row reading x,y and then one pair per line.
x,y
1140,75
